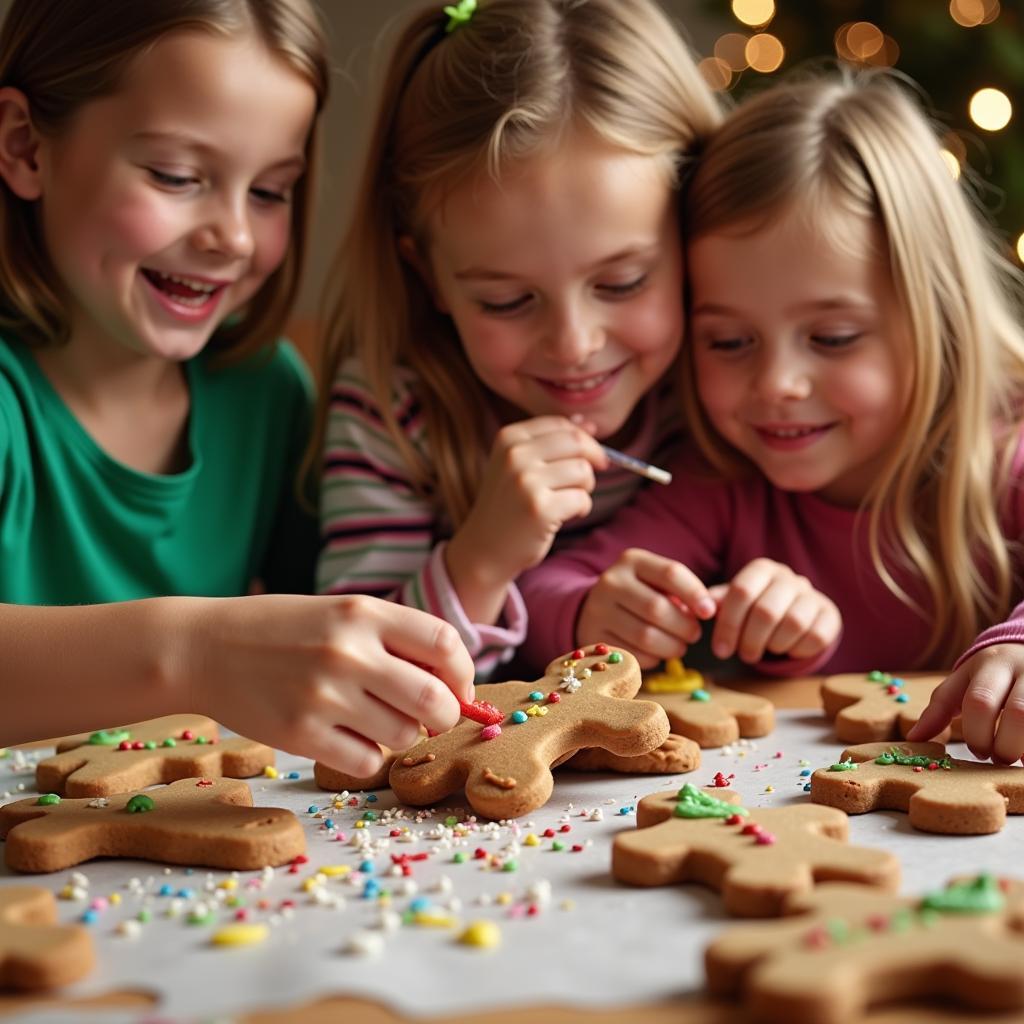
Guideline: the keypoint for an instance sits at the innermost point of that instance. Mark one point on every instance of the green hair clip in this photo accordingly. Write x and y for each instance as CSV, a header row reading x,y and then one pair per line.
x,y
459,14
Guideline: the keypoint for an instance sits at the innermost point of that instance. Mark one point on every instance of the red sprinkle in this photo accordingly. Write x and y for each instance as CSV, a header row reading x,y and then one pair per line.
x,y
482,711
125,745
532,910
263,904
187,734
577,847
479,853
138,745
242,915
565,828
601,649
878,922
204,783
765,838
722,781
918,768
752,829
300,859
554,698
734,819
577,654
933,766
287,904
549,833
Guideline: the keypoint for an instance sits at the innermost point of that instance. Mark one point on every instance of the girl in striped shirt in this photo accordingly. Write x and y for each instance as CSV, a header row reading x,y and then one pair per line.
x,y
508,294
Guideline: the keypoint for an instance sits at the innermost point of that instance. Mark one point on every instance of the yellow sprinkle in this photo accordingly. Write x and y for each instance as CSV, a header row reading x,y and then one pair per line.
x,y
270,772
434,919
336,870
567,905
769,789
503,899
67,893
229,884
114,899
240,935
482,934
360,824
541,710
532,710
310,884
531,840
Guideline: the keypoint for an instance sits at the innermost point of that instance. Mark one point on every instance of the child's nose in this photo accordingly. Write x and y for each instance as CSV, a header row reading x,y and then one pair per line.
x,y
573,337
227,231
783,378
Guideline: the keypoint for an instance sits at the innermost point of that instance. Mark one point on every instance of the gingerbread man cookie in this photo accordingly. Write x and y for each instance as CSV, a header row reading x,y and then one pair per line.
x,y
845,949
147,754
208,822
504,758
940,793
878,706
711,715
36,952
676,756
755,858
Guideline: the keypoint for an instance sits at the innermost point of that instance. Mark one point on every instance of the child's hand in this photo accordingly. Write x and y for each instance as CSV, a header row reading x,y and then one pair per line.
x,y
768,607
540,475
648,604
988,691
325,677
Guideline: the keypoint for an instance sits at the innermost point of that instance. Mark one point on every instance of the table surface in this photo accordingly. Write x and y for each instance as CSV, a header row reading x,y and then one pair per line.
x,y
649,972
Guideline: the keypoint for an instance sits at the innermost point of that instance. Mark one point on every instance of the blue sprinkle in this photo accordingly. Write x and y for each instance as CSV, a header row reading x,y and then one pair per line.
x,y
371,798
901,698
293,775
190,871
805,772
186,894
366,867
90,917
627,810
166,890
328,823
896,681
371,889
519,717
312,809
807,788
419,904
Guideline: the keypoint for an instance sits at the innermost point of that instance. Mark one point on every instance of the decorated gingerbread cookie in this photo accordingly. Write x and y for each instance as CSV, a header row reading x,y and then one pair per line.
x,y
504,757
844,949
147,754
869,706
36,952
208,822
939,792
755,858
711,715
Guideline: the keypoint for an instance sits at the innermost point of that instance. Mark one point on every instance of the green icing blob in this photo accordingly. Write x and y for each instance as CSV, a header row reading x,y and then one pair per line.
x,y
695,803
849,765
48,800
140,803
109,737
979,896
896,756
878,677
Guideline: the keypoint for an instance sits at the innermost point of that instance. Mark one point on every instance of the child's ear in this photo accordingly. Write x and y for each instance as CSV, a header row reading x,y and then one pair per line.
x,y
19,145
410,253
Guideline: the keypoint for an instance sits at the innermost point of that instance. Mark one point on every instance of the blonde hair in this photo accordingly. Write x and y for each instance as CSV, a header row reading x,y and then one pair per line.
x,y
860,144
500,88
64,53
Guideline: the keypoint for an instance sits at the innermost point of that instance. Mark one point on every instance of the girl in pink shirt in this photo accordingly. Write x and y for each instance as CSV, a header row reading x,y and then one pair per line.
x,y
854,388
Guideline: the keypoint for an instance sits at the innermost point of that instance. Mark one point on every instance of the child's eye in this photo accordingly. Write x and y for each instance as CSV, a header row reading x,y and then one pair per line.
x,y
267,195
834,340
504,308
726,344
170,180
626,288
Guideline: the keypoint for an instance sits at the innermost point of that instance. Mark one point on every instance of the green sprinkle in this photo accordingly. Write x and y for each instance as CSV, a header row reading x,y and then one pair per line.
x,y
451,821
459,857
139,804
557,846
109,737
48,800
369,815
878,677
145,916
702,695
614,658
510,865
169,742
149,745
201,739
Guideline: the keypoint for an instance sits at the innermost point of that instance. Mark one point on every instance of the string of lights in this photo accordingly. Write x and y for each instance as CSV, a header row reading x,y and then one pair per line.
x,y
968,55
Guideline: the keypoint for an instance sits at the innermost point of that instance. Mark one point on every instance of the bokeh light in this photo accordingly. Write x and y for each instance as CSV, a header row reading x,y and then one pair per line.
x,y
764,52
971,13
732,48
951,162
755,13
1020,247
990,109
716,73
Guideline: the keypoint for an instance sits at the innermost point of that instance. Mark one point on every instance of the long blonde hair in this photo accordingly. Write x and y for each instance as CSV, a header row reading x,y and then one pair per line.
x,y
860,144
64,53
497,89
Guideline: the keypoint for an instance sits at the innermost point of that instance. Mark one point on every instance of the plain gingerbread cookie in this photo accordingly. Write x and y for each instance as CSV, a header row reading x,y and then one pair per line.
x,y
583,700
36,951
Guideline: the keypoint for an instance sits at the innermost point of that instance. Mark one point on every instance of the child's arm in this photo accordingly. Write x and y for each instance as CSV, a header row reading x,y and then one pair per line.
x,y
986,687
326,678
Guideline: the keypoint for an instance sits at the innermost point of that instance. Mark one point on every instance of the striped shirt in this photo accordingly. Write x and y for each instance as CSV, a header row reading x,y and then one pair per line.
x,y
379,536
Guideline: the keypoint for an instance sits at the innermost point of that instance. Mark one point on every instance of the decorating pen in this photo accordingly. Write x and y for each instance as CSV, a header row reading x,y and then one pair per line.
x,y
634,465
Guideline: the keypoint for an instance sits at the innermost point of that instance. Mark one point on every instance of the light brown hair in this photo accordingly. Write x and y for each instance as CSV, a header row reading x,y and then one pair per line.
x,y
64,53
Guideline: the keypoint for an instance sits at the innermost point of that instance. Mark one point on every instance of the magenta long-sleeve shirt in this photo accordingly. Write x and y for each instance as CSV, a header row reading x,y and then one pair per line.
x,y
717,527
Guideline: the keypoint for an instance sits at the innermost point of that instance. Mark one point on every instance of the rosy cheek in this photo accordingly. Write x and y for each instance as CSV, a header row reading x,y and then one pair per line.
x,y
272,245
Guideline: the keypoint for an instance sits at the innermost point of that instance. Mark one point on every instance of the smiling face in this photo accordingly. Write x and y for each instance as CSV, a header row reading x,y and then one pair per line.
x,y
799,352
166,205
564,281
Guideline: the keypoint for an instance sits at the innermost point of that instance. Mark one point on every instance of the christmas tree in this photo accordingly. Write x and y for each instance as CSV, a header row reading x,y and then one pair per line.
x,y
967,55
